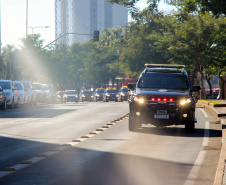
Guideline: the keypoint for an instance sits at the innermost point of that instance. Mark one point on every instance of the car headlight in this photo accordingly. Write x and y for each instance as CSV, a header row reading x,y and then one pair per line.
x,y
139,100
65,96
123,94
98,95
83,96
185,101
108,94
117,95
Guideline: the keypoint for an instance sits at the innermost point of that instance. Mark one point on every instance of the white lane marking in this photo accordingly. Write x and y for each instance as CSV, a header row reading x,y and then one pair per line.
x,y
204,112
205,141
197,165
195,169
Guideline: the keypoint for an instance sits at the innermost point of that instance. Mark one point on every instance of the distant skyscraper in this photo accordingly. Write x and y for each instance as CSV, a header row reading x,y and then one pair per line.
x,y
85,16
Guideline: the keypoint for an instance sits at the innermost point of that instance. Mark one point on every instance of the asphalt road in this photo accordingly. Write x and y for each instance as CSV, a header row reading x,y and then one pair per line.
x,y
60,144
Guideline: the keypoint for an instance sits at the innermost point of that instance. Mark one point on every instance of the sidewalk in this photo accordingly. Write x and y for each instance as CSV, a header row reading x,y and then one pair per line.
x,y
220,111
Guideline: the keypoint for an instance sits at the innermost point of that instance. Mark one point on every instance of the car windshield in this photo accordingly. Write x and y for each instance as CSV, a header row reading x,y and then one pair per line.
x,y
87,93
100,91
70,92
111,91
37,86
5,85
124,90
163,81
19,86
27,85
45,87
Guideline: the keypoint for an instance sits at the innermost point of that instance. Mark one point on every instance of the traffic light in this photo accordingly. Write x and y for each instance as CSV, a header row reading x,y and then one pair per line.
x,y
96,35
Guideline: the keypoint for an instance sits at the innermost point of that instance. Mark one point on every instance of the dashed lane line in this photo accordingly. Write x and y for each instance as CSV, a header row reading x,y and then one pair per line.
x,y
40,157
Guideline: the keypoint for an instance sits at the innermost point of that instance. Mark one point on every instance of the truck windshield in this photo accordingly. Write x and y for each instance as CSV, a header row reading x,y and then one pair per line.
x,y
163,81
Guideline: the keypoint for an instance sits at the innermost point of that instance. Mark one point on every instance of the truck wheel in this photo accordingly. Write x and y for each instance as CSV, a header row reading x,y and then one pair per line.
x,y
190,126
134,123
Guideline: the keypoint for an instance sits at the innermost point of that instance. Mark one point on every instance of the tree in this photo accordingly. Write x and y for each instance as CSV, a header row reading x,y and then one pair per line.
x,y
9,62
215,7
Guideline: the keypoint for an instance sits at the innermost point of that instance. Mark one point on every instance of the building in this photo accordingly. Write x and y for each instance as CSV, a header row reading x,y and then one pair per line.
x,y
83,17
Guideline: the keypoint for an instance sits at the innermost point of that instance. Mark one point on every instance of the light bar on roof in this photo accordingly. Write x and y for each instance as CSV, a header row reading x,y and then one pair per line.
x,y
165,65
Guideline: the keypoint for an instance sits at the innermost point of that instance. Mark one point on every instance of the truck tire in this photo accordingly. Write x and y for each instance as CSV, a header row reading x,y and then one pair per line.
x,y
190,126
134,123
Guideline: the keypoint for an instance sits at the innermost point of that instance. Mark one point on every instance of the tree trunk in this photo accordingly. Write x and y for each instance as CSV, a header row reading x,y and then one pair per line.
x,y
203,88
223,87
210,85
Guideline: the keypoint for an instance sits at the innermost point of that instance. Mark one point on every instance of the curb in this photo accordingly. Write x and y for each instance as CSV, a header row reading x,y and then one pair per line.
x,y
213,107
221,171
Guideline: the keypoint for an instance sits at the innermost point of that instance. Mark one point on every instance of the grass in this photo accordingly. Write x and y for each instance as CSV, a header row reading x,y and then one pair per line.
x,y
211,101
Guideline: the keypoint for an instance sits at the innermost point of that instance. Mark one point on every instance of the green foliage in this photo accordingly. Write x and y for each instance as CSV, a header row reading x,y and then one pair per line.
x,y
182,38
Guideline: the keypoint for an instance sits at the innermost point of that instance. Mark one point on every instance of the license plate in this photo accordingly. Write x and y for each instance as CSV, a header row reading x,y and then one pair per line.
x,y
161,111
161,116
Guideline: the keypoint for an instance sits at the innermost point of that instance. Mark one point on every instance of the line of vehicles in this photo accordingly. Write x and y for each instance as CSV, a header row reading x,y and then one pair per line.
x,y
100,94
25,93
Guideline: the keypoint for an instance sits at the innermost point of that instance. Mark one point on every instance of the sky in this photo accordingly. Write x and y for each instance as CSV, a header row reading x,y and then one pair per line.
x,y
41,13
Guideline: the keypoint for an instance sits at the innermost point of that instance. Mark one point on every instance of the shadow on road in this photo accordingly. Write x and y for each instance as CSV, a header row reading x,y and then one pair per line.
x,y
179,132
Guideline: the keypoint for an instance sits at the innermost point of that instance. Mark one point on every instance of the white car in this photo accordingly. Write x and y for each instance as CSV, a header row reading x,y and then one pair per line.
x,y
47,93
40,93
11,93
30,91
22,93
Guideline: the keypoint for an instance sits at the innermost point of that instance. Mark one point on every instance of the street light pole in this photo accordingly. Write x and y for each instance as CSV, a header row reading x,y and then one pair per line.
x,y
0,31
62,36
38,27
27,18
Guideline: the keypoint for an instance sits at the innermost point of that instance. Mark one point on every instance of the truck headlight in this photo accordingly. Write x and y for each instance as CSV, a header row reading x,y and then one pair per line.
x,y
184,102
139,100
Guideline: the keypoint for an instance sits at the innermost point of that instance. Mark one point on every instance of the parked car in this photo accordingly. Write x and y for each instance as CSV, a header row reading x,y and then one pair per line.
x,y
59,96
30,91
47,93
2,99
40,93
123,94
52,93
110,95
70,96
22,94
85,95
11,93
98,94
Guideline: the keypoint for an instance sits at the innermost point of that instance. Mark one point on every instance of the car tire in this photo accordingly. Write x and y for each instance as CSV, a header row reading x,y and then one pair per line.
x,y
190,126
4,106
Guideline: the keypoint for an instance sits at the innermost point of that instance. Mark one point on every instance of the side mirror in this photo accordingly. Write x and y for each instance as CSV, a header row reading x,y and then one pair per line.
x,y
196,88
132,86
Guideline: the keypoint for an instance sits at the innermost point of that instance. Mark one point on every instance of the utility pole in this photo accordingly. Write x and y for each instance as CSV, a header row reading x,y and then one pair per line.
x,y
26,17
0,30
